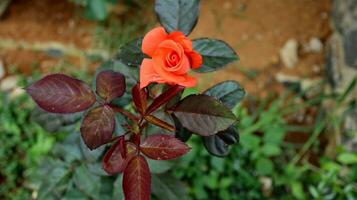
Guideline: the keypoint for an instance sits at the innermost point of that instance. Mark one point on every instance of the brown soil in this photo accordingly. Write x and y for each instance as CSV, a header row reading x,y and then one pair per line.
x,y
41,21
257,29
45,20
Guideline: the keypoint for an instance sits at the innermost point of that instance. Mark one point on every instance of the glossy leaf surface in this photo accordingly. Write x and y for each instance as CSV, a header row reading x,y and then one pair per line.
x,y
163,147
218,144
165,97
140,97
137,179
117,157
228,92
215,53
98,126
131,54
58,93
204,115
229,136
178,15
181,132
110,85
113,161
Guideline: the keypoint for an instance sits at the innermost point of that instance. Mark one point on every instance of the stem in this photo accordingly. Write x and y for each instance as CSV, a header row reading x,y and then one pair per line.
x,y
319,128
116,137
124,112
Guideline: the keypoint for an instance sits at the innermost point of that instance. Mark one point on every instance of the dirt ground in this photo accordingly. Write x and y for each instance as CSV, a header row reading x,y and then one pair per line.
x,y
257,29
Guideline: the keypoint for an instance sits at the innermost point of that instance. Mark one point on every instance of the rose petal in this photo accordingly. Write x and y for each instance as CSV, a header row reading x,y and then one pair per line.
x,y
152,40
189,81
148,73
172,77
160,58
180,38
171,45
196,59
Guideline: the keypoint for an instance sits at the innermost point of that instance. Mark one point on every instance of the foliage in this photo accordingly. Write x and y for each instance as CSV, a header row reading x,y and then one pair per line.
x,y
266,165
131,138
24,143
99,9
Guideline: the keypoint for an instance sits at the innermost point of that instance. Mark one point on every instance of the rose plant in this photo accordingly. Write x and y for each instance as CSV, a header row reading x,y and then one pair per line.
x,y
149,92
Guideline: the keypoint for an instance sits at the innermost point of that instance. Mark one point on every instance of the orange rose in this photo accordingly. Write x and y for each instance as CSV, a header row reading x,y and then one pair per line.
x,y
172,57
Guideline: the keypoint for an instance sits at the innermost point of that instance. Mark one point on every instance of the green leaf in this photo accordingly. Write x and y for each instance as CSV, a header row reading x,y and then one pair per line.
x,y
228,92
189,91
274,134
84,179
118,191
298,190
159,166
271,150
52,179
178,15
217,145
74,194
250,141
347,158
204,115
215,53
165,187
264,166
229,136
131,54
90,155
97,10
53,122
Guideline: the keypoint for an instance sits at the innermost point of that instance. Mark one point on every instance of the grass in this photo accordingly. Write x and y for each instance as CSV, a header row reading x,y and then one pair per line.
x,y
265,165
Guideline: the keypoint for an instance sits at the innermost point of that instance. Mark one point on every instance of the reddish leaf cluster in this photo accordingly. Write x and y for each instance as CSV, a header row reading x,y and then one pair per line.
x,y
68,95
173,54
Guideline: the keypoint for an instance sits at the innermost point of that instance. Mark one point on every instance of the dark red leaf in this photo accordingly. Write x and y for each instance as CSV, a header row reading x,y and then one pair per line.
x,y
58,93
137,179
173,102
110,85
98,126
140,98
158,122
163,147
122,147
135,138
164,98
114,161
204,115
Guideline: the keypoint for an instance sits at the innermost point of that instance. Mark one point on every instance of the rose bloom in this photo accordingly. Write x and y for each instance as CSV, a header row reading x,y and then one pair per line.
x,y
172,57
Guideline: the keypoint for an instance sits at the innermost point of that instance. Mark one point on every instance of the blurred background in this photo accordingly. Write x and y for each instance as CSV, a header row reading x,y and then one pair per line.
x,y
298,121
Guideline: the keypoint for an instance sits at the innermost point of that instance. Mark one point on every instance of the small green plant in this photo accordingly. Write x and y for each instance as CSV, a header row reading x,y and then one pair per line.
x,y
24,143
265,165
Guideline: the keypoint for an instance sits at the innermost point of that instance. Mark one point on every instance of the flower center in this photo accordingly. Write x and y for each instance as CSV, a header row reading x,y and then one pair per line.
x,y
172,59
